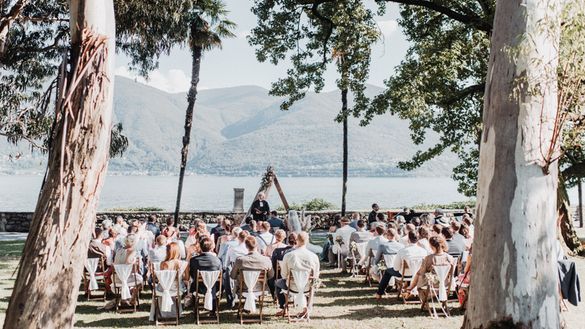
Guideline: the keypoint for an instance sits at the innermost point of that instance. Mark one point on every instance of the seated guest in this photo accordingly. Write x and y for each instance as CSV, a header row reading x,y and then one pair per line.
x,y
467,237
327,245
381,218
438,257
254,261
97,249
354,219
246,226
423,238
412,250
128,255
220,230
416,221
112,239
453,247
436,230
205,261
264,237
159,252
173,262
341,242
278,255
152,225
299,259
408,228
233,253
458,237
275,222
170,231
389,247
469,222
361,235
279,237
192,242
379,238
227,243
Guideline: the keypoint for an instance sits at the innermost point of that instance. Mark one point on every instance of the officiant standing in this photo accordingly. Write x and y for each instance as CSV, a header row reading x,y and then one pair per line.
x,y
260,208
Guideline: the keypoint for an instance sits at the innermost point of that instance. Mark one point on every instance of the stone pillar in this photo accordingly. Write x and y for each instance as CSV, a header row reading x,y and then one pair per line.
x,y
238,200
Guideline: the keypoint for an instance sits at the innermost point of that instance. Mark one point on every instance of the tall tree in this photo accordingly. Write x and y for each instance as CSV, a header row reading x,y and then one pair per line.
x,y
518,173
72,120
313,34
208,25
78,160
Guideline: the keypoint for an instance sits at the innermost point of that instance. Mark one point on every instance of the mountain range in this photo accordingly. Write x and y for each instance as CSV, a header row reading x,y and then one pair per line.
x,y
239,131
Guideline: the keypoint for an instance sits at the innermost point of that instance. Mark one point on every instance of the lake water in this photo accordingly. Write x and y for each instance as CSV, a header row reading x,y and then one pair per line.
x,y
19,193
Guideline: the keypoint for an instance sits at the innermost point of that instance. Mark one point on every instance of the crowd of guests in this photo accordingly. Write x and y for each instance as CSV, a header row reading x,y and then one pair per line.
x,y
229,247
436,238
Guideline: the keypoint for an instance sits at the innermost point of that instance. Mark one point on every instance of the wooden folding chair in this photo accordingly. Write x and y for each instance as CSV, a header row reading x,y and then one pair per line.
x,y
310,292
176,299
242,289
404,282
433,293
99,276
135,288
369,260
198,300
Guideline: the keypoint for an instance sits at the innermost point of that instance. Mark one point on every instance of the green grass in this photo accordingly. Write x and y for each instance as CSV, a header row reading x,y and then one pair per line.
x,y
344,302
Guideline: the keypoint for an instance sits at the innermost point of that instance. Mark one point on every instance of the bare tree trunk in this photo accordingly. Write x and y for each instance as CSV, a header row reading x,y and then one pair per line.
x,y
7,20
345,151
580,211
514,267
191,98
47,285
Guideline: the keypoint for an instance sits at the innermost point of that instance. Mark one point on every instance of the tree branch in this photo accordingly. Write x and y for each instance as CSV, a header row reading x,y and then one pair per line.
x,y
462,94
474,20
575,170
327,20
6,21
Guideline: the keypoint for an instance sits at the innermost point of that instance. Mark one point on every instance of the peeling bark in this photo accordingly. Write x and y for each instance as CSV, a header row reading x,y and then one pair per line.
x,y
514,283
46,288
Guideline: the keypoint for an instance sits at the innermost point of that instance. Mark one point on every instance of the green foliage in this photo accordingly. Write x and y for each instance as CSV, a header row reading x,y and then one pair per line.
x,y
312,35
315,204
451,205
439,86
38,39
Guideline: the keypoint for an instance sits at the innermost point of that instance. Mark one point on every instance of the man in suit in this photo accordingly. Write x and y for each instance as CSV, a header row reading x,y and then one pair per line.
x,y
218,230
299,259
205,261
152,225
372,217
252,261
275,222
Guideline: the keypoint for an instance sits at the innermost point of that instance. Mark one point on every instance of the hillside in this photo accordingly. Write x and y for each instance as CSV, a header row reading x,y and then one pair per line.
x,y
240,130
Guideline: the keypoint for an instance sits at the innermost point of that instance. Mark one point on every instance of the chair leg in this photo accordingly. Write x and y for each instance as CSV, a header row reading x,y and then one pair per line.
x,y
261,305
196,302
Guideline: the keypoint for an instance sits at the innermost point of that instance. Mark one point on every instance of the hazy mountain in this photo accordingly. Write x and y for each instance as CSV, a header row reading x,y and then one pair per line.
x,y
241,130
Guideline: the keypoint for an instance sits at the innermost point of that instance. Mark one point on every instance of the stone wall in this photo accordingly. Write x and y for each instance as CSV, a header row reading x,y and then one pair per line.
x,y
20,221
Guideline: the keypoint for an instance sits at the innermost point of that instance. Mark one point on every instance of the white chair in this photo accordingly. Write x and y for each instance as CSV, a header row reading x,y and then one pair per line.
x,y
126,277
93,274
166,283
209,280
408,270
303,282
248,280
439,291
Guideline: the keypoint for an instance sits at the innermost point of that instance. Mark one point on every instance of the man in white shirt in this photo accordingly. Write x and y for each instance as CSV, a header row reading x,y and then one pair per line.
x,y
264,238
341,241
299,259
408,228
237,251
226,246
413,250
390,247
378,239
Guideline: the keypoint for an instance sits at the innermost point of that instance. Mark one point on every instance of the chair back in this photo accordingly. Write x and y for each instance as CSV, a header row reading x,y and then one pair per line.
x,y
444,275
208,279
91,266
166,278
301,280
248,280
413,264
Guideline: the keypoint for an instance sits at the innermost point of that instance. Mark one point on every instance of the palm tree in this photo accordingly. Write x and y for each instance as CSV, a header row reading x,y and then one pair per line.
x,y
208,26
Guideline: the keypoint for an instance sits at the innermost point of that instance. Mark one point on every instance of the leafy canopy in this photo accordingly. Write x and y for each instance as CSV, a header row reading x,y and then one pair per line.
x,y
312,35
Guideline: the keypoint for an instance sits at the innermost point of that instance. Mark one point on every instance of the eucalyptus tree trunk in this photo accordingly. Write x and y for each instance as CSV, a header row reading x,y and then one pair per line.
x,y
580,211
345,151
47,285
514,273
196,52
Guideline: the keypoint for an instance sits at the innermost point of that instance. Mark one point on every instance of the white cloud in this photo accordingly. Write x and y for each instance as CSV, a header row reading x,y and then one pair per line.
x,y
172,81
388,27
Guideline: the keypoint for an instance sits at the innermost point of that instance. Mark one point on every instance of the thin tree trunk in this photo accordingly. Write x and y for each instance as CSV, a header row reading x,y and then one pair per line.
x,y
191,98
47,285
514,267
580,211
345,151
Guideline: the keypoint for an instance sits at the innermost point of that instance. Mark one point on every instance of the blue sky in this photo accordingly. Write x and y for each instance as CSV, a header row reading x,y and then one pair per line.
x,y
236,64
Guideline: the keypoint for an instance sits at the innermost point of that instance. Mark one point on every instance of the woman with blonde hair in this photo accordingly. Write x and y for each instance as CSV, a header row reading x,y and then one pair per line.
x,y
279,237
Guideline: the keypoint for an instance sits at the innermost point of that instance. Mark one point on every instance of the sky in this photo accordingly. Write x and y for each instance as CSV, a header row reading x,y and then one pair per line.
x,y
236,65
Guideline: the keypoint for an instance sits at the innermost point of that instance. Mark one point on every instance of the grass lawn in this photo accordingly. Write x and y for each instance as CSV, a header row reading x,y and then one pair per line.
x,y
344,303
